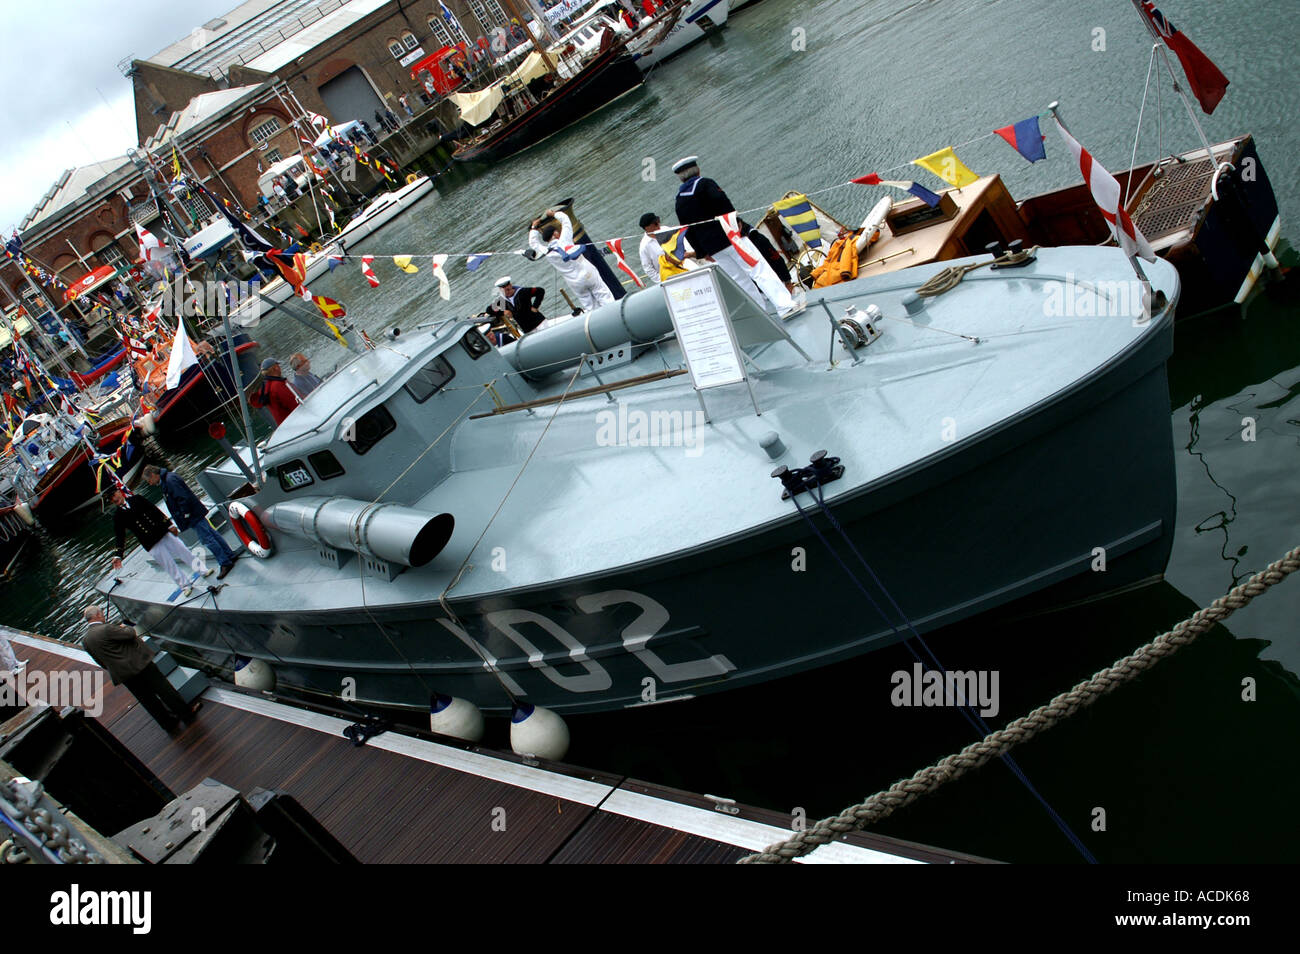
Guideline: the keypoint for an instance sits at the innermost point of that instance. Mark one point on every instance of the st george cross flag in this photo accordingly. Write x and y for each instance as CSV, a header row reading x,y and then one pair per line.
x,y
920,191
147,242
1025,138
616,246
1207,81
440,272
182,355
1106,193
367,271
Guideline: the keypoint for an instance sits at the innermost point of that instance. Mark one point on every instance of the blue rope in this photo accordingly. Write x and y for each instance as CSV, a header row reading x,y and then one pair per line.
x,y
972,717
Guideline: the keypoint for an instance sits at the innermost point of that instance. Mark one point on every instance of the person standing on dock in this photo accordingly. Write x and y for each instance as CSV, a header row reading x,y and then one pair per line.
x,y
188,511
156,534
578,273
129,662
699,202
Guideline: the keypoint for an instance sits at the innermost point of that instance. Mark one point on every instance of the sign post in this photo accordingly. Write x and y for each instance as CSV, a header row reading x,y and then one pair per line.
x,y
705,333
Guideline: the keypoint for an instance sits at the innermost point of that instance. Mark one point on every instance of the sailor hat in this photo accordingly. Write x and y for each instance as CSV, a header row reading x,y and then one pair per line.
x,y
503,282
686,163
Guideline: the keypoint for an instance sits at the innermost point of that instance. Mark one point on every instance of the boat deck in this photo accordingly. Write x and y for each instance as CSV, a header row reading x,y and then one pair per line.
x,y
404,798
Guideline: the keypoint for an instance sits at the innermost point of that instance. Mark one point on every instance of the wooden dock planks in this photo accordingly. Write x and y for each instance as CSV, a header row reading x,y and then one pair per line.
x,y
404,800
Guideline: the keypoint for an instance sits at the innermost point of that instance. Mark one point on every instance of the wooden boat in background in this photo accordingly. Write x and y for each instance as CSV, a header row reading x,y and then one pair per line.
x,y
1215,241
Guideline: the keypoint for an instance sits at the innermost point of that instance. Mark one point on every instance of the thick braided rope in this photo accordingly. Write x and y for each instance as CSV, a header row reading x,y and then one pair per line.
x,y
885,803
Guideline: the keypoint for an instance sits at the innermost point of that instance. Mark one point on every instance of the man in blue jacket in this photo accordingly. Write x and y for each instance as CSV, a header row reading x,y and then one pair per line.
x,y
188,511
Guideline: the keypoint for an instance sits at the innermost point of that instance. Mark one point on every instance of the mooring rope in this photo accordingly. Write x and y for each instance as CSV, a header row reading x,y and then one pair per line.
x,y
884,803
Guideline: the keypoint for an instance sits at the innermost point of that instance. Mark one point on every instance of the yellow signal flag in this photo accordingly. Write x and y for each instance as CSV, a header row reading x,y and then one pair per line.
x,y
947,167
404,263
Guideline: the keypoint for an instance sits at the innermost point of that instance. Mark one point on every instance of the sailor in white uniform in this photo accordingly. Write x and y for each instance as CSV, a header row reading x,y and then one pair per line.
x,y
650,248
578,273
699,202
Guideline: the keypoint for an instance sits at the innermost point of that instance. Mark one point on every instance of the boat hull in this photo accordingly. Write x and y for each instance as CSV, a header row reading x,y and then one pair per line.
x,y
699,20
604,80
1020,511
204,392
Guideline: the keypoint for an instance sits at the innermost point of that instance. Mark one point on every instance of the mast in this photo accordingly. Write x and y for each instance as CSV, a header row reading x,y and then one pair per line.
x,y
523,22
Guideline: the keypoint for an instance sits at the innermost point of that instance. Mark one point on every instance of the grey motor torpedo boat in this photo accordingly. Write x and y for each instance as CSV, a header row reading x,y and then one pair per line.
x,y
525,522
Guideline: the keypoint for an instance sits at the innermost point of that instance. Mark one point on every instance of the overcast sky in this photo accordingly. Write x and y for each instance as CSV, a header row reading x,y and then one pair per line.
x,y
65,102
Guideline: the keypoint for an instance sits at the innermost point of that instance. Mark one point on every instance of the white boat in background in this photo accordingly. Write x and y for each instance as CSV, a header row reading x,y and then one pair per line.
x,y
700,18
382,209
379,212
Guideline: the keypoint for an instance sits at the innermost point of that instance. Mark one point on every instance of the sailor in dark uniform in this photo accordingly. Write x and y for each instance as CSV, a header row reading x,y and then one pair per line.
x,y
700,200
520,304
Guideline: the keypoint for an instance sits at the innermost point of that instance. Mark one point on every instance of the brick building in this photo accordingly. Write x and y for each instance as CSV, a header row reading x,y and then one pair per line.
x,y
226,97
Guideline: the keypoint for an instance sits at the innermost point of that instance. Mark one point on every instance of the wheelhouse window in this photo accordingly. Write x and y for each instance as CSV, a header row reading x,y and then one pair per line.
x,y
430,379
325,464
370,428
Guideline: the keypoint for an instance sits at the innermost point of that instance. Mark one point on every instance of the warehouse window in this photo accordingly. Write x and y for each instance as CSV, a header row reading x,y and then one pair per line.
x,y
409,41
263,131
272,156
489,14
395,48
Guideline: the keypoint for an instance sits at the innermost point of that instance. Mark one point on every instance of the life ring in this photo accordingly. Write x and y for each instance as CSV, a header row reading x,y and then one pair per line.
x,y
250,531
410,180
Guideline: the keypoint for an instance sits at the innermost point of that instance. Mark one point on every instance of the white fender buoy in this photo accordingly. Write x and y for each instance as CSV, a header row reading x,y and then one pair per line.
x,y
148,424
24,512
457,718
537,731
871,225
254,674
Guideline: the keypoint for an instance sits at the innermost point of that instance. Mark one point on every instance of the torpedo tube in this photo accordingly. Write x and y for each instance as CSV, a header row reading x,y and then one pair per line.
x,y
254,674
457,718
537,731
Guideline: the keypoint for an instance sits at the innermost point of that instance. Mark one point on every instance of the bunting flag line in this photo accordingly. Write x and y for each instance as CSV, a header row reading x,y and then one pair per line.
x,y
616,246
333,262
444,286
367,271
920,191
404,263
1106,193
1207,81
474,261
947,167
730,225
176,163
1025,138
331,311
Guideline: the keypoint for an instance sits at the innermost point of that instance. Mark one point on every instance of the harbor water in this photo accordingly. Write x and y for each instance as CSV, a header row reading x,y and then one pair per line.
x,y
1192,762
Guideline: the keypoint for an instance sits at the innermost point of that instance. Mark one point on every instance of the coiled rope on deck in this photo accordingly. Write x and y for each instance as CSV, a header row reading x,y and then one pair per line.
x,y
884,803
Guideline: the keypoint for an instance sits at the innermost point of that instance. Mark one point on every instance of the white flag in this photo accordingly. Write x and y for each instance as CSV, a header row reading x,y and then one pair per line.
x,y
444,286
182,355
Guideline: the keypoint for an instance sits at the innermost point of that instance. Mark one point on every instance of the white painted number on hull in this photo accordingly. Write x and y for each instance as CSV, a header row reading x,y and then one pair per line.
x,y
636,637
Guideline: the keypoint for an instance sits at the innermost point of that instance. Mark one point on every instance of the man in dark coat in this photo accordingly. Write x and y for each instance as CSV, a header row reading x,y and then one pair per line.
x,y
699,201
275,394
521,305
188,511
129,662
156,534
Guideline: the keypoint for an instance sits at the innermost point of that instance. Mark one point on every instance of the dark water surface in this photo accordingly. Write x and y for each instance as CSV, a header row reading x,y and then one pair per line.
x,y
1184,769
